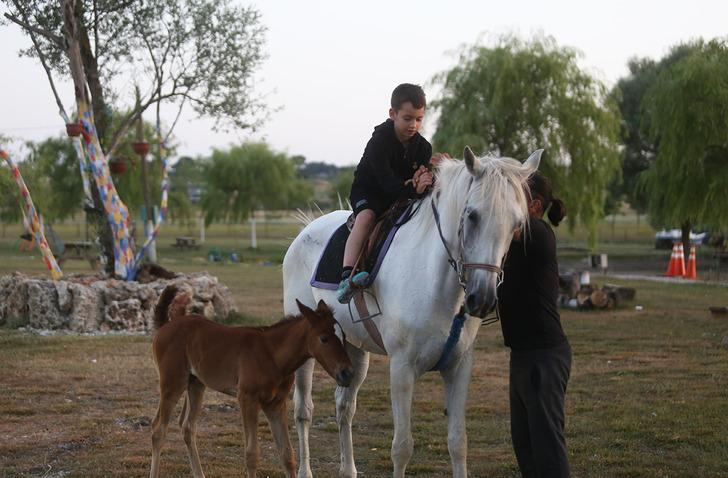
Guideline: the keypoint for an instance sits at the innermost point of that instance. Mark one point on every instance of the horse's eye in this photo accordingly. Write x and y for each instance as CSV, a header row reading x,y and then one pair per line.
x,y
323,339
473,216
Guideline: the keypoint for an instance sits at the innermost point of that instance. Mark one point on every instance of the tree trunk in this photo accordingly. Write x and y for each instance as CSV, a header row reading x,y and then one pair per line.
x,y
97,217
91,71
253,235
148,209
685,229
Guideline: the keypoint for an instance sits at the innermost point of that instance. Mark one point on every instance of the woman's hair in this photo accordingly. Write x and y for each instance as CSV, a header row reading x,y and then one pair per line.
x,y
540,187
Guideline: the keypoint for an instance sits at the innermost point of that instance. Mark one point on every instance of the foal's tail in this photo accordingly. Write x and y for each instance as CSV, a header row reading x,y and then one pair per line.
x,y
170,305
161,311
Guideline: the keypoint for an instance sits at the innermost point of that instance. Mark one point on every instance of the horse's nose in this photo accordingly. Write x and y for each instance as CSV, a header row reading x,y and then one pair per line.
x,y
479,305
474,303
344,377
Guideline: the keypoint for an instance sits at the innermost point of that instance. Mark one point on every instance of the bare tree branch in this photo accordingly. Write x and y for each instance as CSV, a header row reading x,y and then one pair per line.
x,y
30,28
41,57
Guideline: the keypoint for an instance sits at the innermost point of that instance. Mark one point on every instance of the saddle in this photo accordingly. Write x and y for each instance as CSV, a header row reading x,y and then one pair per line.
x,y
327,274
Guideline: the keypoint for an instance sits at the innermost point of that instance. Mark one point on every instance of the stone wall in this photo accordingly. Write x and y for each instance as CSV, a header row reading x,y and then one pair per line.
x,y
94,304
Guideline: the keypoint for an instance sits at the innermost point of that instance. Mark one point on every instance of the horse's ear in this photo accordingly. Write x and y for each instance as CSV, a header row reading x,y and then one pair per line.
x,y
471,162
531,164
305,311
322,307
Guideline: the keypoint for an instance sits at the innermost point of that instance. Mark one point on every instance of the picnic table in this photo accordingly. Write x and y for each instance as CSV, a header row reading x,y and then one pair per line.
x,y
79,250
186,242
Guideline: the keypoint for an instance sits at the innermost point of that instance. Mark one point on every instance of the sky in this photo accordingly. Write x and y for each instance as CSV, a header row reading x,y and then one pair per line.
x,y
332,65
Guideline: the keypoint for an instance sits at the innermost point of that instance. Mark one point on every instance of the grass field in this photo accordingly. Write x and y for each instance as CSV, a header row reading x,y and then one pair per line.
x,y
647,396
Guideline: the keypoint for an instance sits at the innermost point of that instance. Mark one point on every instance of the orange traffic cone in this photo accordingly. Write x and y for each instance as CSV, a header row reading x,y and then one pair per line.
x,y
692,271
672,265
680,261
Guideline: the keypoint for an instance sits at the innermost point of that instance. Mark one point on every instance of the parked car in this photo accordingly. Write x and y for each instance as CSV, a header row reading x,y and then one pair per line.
x,y
665,239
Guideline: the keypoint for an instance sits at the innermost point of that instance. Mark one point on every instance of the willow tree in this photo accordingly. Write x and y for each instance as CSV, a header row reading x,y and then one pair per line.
x,y
687,108
640,147
247,178
518,96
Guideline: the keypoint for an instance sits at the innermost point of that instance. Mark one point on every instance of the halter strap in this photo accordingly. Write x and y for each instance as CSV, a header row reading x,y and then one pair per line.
x,y
458,265
450,259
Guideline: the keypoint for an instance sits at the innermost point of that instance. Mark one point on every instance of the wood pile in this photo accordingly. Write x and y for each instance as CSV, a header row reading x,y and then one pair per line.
x,y
591,296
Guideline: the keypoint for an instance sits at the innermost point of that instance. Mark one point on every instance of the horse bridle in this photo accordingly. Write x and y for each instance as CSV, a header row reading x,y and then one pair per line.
x,y
459,265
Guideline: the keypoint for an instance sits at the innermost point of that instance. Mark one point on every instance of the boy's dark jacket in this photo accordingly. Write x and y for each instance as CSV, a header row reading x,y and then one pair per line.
x,y
387,164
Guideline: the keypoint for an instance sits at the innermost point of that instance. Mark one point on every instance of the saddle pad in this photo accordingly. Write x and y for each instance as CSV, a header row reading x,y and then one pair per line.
x,y
328,270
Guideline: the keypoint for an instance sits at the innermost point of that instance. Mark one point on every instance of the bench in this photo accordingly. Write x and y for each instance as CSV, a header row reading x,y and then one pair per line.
x,y
185,242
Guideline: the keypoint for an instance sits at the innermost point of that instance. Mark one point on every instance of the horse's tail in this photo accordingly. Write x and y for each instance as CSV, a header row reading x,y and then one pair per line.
x,y
161,311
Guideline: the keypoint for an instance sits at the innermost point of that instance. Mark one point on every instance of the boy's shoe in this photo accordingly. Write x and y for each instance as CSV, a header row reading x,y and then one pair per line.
x,y
348,286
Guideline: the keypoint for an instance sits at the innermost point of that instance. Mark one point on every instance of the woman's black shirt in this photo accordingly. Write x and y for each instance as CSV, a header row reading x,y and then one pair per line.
x,y
527,298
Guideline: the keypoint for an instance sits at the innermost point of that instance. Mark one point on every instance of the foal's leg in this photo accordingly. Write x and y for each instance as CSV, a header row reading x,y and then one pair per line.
x,y
249,410
457,380
303,413
195,392
170,391
346,407
277,414
402,380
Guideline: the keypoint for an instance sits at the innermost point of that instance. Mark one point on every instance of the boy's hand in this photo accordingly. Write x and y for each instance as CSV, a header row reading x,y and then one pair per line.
x,y
438,157
422,179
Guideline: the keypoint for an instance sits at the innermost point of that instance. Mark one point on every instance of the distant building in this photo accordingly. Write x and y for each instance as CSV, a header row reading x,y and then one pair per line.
x,y
194,193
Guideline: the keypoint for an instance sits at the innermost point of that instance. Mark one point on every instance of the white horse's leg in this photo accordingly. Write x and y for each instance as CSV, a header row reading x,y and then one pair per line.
x,y
346,407
402,381
457,380
303,413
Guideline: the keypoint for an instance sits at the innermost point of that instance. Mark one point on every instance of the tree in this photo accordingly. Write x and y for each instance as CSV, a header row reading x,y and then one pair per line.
x,y
200,52
341,187
52,173
687,107
247,178
517,96
196,52
639,148
185,174
10,205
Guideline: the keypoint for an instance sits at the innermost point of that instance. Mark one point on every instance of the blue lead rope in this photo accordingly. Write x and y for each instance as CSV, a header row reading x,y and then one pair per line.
x,y
455,329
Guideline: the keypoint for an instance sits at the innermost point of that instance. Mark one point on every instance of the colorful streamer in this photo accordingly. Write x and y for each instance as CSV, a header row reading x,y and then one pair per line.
x,y
116,211
163,204
82,164
34,223
160,217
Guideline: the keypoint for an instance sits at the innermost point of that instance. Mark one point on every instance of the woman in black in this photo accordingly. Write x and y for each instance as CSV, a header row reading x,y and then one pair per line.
x,y
540,353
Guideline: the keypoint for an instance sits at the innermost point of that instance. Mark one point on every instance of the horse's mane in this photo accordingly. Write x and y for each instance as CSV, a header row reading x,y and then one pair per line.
x,y
496,174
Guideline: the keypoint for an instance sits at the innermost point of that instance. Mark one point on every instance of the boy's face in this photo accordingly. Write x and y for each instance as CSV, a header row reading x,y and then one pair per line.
x,y
407,121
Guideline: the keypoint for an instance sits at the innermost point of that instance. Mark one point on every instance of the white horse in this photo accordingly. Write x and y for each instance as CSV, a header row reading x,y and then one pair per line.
x,y
477,204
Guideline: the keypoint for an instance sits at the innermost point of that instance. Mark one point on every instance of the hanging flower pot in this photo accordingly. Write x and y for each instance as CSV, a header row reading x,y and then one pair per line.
x,y
142,149
117,166
74,129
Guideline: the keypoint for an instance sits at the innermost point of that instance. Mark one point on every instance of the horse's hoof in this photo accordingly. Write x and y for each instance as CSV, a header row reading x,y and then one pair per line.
x,y
347,473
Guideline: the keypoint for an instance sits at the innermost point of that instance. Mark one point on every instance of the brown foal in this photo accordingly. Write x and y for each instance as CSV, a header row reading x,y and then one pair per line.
x,y
256,364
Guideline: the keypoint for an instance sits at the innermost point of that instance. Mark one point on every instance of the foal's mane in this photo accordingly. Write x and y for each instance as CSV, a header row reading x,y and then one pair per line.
x,y
287,320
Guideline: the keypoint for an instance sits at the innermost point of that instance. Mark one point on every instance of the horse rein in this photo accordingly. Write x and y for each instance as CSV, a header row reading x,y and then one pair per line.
x,y
459,265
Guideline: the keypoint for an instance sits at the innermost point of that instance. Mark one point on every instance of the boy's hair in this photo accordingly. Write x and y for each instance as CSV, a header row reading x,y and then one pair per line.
x,y
407,92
